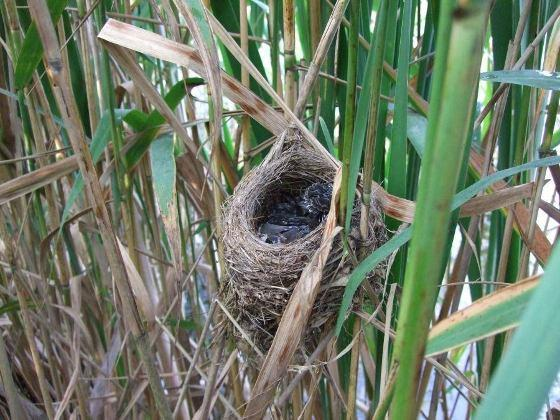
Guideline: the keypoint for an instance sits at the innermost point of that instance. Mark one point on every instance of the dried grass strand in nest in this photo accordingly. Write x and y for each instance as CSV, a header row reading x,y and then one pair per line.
x,y
260,277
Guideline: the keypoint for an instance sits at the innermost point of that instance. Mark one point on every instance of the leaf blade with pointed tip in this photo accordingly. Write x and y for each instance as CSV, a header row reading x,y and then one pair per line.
x,y
533,356
163,172
534,78
494,313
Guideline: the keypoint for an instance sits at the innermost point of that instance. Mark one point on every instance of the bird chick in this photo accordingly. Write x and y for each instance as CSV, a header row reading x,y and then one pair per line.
x,y
296,217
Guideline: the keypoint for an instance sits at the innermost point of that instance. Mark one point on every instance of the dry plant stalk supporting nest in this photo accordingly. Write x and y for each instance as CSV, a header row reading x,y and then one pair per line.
x,y
260,277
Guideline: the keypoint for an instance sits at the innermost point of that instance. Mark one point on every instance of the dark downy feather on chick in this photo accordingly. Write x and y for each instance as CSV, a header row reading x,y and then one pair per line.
x,y
297,217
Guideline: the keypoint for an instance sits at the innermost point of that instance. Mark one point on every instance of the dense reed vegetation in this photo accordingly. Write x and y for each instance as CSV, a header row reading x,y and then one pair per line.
x,y
126,124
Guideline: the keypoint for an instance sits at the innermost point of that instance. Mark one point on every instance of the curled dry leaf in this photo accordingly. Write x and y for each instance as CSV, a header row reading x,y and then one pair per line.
x,y
141,295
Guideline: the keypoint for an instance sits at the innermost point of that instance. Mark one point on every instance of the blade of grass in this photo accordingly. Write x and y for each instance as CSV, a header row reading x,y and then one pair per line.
x,y
488,316
396,178
164,174
532,358
360,125
381,25
534,78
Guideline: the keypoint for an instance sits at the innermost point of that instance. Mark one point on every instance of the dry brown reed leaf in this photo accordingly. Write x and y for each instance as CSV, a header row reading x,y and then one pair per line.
x,y
497,200
403,209
27,183
540,245
552,211
141,295
131,37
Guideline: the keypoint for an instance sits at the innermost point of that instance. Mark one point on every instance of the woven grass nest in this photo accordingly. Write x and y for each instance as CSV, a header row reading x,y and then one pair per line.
x,y
260,277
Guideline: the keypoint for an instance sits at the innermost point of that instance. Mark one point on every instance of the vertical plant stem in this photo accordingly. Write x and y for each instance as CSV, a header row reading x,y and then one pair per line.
x,y
388,393
315,18
446,140
354,360
273,24
397,167
320,54
245,121
289,54
349,117
86,48
377,70
202,412
349,114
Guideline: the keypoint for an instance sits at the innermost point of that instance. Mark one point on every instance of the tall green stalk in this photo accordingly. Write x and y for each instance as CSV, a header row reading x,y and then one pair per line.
x,y
349,115
397,170
289,53
446,140
377,69
397,161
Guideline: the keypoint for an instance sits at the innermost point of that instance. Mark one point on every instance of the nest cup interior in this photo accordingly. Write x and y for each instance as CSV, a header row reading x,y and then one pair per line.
x,y
270,184
286,187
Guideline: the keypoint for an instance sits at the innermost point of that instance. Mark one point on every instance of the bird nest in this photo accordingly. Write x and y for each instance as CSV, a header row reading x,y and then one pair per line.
x,y
260,276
